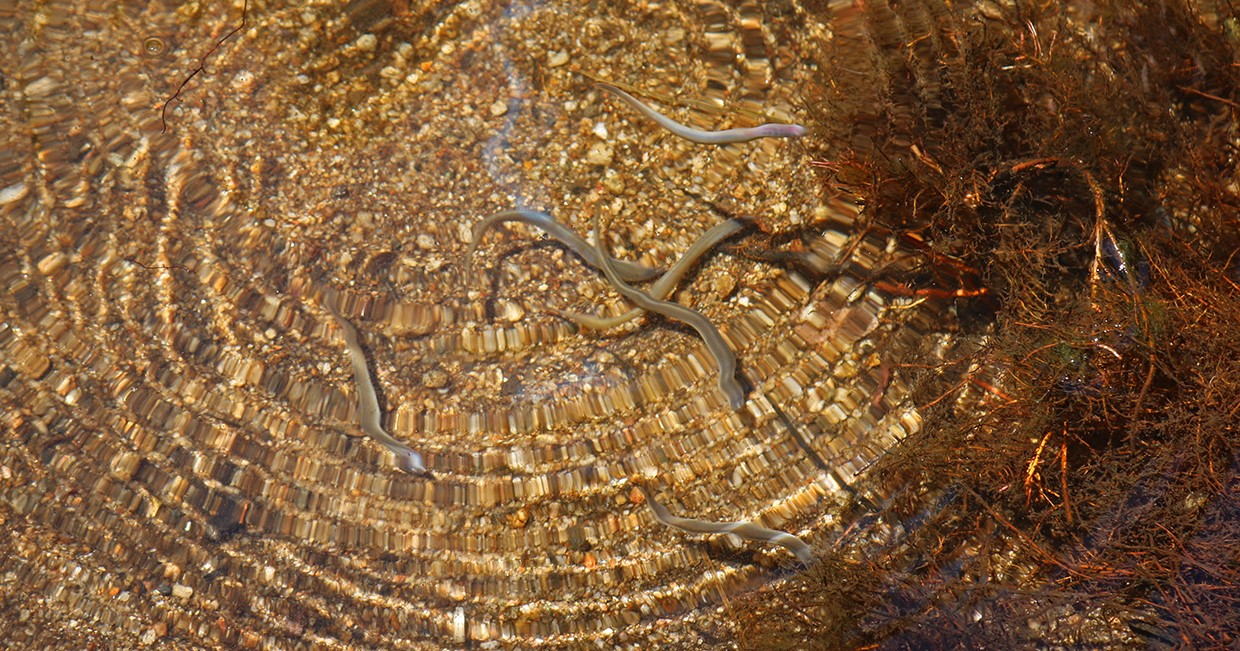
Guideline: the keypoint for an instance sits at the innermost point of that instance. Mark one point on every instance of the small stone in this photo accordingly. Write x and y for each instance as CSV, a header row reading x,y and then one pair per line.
x,y
636,496
366,42
425,242
244,82
498,108
614,183
722,284
41,87
435,379
12,193
509,311
182,591
518,519
124,466
600,154
674,35
557,59
52,263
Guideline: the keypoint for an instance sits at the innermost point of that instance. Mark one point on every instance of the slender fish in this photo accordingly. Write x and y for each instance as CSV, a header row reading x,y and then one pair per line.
x,y
746,529
629,271
664,285
718,348
368,401
708,137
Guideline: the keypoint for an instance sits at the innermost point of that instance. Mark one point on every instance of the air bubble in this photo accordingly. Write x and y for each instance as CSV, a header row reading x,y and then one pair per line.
x,y
153,46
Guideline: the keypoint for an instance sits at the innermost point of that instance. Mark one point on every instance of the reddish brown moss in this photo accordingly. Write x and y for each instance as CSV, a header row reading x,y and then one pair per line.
x,y
1079,164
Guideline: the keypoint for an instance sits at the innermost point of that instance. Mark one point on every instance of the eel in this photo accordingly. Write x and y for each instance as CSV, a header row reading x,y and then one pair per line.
x,y
718,348
369,415
663,286
630,271
727,136
746,529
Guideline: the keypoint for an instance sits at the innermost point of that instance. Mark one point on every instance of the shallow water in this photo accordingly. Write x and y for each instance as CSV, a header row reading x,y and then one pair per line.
x,y
179,402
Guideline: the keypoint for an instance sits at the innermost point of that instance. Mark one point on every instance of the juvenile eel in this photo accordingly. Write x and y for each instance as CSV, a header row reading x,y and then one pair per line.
x,y
368,401
718,348
629,271
745,528
708,137
663,286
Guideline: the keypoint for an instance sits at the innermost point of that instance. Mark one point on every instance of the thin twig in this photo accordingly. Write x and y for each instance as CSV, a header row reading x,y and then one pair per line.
x,y
202,66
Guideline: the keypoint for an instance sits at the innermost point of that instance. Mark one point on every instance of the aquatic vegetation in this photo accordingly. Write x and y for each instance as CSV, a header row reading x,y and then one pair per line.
x,y
1092,208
